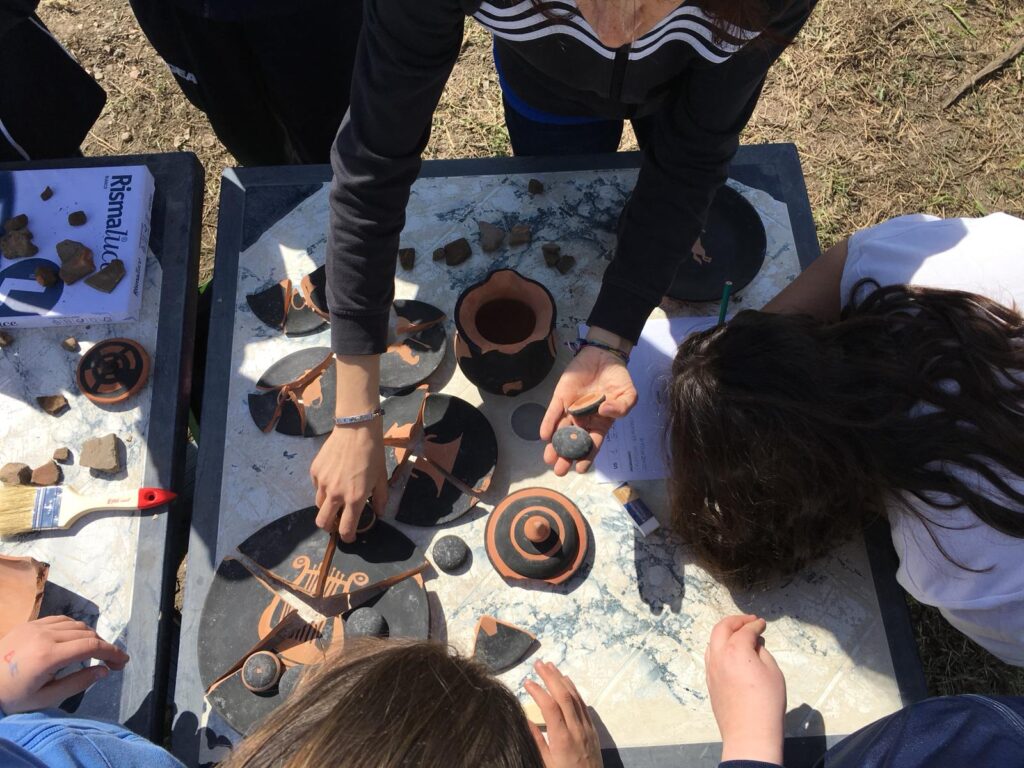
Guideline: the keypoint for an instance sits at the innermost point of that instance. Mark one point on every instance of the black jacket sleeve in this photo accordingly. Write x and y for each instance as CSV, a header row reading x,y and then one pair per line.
x,y
406,53
695,137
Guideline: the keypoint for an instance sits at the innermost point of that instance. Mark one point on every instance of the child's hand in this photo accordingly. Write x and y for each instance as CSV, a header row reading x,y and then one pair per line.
x,y
31,655
572,739
748,691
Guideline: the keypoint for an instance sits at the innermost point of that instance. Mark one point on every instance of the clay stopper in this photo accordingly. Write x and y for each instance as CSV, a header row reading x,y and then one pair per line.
x,y
535,187
586,405
262,671
572,443
77,218
538,529
76,261
491,236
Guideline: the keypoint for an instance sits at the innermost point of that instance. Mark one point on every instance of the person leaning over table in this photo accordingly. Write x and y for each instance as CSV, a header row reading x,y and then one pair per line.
x,y
688,74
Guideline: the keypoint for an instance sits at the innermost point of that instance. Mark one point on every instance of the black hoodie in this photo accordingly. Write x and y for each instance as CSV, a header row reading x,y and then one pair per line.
x,y
699,82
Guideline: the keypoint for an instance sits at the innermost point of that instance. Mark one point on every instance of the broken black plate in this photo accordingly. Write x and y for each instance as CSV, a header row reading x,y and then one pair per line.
x,y
297,310
734,240
418,348
240,611
297,394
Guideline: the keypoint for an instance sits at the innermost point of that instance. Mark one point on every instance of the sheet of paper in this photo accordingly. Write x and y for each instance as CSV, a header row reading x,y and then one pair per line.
x,y
636,447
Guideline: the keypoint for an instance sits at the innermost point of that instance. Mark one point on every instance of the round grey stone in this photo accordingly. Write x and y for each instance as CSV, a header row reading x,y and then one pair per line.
x,y
450,552
366,622
572,443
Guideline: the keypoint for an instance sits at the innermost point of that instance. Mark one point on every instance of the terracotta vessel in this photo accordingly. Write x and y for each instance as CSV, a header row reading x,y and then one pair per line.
x,y
505,333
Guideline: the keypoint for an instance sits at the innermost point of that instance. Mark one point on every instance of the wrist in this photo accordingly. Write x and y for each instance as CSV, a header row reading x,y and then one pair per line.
x,y
610,339
765,748
358,385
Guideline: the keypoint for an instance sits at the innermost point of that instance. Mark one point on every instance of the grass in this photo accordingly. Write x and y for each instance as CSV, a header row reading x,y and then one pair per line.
x,y
860,95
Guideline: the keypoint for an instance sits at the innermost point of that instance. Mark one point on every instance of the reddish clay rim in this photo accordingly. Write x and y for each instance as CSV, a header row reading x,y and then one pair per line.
x,y
504,284
574,513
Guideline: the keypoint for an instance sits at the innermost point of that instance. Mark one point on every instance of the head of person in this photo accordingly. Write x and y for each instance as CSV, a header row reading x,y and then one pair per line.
x,y
789,435
394,704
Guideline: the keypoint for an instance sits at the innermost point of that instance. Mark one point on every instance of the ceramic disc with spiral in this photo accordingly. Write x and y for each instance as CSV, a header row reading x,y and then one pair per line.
x,y
537,534
112,371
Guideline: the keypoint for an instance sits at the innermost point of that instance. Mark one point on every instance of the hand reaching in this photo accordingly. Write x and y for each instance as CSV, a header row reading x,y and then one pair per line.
x,y
32,654
572,739
349,469
592,370
747,689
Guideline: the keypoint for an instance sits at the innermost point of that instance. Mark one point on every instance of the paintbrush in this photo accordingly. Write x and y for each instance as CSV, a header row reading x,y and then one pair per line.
x,y
23,510
724,306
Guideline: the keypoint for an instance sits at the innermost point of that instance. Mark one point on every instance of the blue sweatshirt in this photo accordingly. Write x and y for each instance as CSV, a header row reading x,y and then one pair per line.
x,y
52,739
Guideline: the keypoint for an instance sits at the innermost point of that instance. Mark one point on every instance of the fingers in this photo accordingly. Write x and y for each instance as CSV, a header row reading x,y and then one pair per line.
x,y
584,464
350,521
327,511
553,417
78,650
563,696
542,743
52,694
749,635
379,499
618,407
583,708
726,628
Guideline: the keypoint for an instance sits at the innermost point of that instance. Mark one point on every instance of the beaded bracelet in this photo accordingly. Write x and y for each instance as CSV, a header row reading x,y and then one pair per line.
x,y
578,345
344,421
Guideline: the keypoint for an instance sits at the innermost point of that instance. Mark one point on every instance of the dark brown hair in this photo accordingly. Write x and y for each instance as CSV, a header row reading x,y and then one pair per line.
x,y
750,15
394,704
789,435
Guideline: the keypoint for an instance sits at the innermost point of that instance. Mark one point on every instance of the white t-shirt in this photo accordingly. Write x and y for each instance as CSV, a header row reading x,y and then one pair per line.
x,y
983,256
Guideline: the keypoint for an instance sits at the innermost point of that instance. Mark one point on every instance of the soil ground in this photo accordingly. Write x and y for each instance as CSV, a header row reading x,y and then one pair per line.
x,y
861,95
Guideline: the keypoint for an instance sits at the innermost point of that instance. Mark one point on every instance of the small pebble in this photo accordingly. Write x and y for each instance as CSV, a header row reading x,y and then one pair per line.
x,y
77,218
70,344
48,474
366,622
62,455
491,236
5,339
46,194
552,252
450,552
565,264
520,235
438,254
46,276
15,223
457,252
407,258
15,473
535,186
572,443
53,404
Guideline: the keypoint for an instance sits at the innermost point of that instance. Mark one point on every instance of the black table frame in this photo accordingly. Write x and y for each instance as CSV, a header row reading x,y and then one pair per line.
x,y
254,199
176,226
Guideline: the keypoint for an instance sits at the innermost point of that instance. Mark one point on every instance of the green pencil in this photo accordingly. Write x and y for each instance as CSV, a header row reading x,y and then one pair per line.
x,y
724,306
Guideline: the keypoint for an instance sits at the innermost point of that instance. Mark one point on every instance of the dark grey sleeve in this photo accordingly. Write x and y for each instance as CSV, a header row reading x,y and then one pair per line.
x,y
695,138
406,53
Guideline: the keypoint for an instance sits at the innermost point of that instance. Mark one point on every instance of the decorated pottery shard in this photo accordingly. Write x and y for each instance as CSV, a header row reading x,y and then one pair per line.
x,y
76,261
108,277
505,340
455,463
536,534
491,236
15,473
499,645
457,252
407,258
572,443
245,614
22,582
417,349
297,311
17,244
732,247
296,394
53,404
403,427
102,454
112,371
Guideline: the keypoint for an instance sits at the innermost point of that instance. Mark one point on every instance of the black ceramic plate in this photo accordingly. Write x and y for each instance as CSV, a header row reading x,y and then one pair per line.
x,y
735,239
414,356
319,411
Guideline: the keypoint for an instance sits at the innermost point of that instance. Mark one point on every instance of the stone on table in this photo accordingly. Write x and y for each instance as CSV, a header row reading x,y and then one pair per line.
x,y
108,277
76,261
46,276
552,252
62,455
70,344
15,473
407,258
565,264
520,235
77,218
47,474
17,244
102,454
491,236
5,339
535,186
53,404
457,252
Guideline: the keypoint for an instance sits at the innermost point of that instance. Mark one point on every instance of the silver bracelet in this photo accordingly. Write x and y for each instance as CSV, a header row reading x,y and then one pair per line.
x,y
344,421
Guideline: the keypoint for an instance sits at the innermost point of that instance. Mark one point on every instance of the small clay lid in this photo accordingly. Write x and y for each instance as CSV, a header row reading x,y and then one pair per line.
x,y
538,534
112,371
261,671
586,405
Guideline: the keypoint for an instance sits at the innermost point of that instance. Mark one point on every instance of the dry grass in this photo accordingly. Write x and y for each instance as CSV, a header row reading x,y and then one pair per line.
x,y
860,95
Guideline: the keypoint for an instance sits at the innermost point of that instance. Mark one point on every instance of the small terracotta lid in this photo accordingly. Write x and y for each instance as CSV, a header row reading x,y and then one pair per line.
x,y
536,534
113,371
586,405
262,671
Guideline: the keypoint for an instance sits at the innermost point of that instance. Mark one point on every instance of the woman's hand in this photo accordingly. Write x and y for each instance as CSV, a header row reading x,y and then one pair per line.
x,y
350,466
748,691
572,739
32,654
592,370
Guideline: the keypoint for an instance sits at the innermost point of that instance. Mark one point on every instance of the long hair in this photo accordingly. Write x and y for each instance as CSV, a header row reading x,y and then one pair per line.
x,y
788,435
728,15
394,704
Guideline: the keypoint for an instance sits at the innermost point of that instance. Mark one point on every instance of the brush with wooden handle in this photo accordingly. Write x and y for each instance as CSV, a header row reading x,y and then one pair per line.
x,y
23,510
